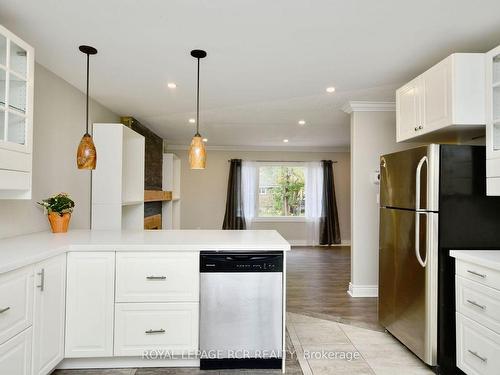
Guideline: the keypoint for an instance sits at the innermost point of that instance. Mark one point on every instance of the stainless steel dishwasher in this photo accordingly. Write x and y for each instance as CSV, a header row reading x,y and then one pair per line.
x,y
241,310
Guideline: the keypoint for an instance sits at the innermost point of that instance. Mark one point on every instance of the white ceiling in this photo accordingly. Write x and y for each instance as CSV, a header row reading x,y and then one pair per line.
x,y
268,63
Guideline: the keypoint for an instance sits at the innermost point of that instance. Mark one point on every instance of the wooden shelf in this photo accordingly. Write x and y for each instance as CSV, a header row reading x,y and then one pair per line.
x,y
131,203
157,196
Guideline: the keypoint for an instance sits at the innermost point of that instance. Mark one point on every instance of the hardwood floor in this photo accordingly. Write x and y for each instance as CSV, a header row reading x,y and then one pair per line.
x,y
317,283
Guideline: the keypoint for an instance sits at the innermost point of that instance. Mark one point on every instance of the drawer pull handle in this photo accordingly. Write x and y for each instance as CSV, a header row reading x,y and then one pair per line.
x,y
481,275
4,310
156,277
42,279
484,359
149,331
473,303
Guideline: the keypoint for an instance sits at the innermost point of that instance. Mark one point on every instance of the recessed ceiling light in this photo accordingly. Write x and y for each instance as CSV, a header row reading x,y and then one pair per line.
x,y
171,85
205,140
302,122
330,89
192,121
285,140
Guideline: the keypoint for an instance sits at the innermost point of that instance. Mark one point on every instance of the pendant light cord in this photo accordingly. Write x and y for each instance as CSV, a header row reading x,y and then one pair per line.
x,y
87,114
198,102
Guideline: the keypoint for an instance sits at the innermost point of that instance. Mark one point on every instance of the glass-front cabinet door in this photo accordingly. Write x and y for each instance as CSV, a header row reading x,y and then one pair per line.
x,y
16,93
493,121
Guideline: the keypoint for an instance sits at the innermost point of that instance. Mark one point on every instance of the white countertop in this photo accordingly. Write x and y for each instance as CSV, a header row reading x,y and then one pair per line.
x,y
485,258
19,251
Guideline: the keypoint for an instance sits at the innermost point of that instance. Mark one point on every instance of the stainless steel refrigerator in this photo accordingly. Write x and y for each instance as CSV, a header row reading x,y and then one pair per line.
x,y
408,248
432,200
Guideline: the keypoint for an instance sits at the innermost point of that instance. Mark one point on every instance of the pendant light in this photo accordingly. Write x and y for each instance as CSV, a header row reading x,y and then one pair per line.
x,y
197,152
86,156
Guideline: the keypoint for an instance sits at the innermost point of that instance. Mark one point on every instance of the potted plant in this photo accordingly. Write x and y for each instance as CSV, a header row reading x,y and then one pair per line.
x,y
59,209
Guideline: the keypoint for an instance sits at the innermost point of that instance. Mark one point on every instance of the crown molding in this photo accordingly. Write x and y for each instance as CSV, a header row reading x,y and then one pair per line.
x,y
263,148
359,106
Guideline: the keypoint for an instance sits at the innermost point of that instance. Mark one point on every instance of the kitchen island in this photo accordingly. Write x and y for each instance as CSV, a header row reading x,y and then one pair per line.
x,y
97,299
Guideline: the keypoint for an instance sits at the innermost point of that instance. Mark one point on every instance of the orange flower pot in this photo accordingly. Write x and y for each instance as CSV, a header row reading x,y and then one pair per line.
x,y
59,224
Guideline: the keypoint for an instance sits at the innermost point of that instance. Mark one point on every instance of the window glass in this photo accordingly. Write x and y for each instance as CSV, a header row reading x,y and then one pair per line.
x,y
281,191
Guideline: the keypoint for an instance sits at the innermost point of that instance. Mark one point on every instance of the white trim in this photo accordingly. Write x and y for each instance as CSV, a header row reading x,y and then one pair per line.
x,y
358,291
279,219
357,106
124,362
308,149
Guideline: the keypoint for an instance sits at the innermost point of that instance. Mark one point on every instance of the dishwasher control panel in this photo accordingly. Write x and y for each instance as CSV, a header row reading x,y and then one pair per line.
x,y
225,261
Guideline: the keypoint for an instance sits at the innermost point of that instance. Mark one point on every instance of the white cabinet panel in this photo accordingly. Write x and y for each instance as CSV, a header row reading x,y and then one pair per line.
x,y
90,304
148,326
16,302
436,98
480,274
477,348
449,98
492,69
478,302
408,110
157,277
15,355
49,314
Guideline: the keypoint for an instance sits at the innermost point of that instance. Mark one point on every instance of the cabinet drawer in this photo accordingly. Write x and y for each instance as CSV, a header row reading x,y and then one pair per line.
x,y
15,355
478,302
482,275
157,277
16,302
141,327
477,348
14,180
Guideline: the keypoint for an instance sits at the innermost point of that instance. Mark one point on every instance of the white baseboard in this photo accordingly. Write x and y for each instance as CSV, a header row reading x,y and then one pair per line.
x,y
359,291
307,243
124,362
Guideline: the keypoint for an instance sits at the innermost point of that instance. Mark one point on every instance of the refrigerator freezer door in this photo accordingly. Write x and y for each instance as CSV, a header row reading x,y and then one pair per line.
x,y
398,179
407,296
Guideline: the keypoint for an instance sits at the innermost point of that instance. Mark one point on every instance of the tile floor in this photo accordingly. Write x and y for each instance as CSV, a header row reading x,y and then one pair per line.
x,y
316,347
352,349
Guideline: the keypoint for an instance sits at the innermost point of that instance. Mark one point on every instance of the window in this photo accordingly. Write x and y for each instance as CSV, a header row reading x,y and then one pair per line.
x,y
281,191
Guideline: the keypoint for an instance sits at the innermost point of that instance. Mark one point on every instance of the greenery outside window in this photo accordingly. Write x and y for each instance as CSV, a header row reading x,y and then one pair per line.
x,y
281,192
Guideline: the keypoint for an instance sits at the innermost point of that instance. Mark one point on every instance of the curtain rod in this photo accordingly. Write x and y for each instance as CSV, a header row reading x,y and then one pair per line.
x,y
282,161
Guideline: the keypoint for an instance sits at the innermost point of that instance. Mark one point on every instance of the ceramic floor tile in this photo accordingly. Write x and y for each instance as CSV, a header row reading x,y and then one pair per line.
x,y
397,370
175,371
340,367
320,333
127,371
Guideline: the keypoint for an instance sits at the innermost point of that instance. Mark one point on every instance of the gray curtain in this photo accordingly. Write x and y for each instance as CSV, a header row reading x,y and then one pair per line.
x,y
329,230
234,217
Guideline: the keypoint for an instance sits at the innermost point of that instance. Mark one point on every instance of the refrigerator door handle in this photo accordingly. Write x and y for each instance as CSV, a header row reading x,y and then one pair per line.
x,y
418,174
423,262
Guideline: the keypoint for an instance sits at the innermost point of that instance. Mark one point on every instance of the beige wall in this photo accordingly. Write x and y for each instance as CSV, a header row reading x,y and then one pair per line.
x,y
58,125
372,134
203,193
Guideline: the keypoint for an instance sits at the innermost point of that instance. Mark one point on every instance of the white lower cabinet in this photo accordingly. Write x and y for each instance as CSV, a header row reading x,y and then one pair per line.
x,y
16,302
15,354
141,327
49,313
477,290
90,304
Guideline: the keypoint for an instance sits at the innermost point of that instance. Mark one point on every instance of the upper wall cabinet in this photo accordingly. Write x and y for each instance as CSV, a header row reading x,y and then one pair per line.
x,y
17,63
445,103
493,121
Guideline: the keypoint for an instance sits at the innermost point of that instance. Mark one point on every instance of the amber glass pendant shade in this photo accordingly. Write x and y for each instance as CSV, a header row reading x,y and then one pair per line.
x,y
197,153
86,156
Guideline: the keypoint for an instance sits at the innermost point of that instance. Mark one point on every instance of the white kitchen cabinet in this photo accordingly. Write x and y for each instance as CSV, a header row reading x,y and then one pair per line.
x,y
15,354
90,304
492,84
17,63
49,314
444,103
16,302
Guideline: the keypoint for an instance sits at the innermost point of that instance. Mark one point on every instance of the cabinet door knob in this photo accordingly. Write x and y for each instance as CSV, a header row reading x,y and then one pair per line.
x,y
420,127
416,128
4,310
